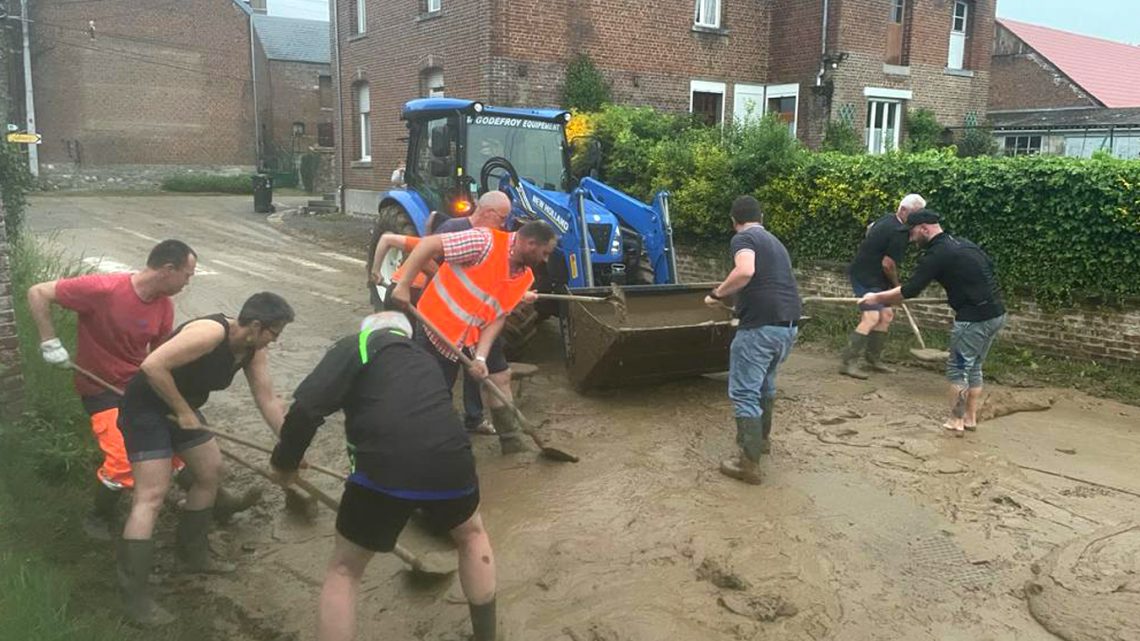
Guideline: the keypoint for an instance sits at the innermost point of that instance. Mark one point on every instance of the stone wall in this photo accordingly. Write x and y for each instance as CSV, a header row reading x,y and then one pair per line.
x,y
70,177
1093,333
11,372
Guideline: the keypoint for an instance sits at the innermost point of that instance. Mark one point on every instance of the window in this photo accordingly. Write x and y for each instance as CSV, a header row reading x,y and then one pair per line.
x,y
783,101
432,172
707,14
324,86
884,118
364,125
747,103
361,23
959,25
325,134
895,32
433,5
706,101
432,83
1022,145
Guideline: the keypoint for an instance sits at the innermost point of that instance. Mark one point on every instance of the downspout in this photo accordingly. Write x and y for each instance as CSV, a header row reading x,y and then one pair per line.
x,y
256,106
338,154
822,47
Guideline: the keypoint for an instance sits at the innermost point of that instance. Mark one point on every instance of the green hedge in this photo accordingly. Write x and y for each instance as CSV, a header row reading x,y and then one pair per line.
x,y
209,183
1058,228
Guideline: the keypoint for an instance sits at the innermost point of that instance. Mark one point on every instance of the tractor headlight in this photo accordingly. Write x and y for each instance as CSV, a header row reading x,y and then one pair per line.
x,y
477,107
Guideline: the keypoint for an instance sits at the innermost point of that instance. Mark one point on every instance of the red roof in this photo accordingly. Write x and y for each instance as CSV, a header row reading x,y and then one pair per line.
x,y
1108,70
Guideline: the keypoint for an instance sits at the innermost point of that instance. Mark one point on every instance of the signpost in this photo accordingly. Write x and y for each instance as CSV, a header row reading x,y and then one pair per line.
x,y
25,139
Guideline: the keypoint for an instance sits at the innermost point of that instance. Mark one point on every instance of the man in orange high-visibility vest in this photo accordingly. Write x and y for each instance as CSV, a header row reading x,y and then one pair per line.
x,y
484,274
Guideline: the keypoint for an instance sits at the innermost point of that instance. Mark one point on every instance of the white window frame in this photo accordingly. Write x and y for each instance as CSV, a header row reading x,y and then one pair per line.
x,y
740,108
785,91
1023,150
700,17
431,86
364,117
878,145
361,16
876,95
956,45
705,86
433,6
898,7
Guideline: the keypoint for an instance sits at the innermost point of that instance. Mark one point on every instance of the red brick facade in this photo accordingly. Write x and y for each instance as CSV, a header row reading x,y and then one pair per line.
x,y
295,97
515,53
1023,79
157,84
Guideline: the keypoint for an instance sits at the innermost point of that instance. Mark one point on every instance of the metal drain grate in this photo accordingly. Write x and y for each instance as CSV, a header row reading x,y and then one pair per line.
x,y
938,557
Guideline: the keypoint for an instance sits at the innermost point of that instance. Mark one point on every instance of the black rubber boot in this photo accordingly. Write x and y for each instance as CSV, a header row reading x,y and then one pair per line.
x,y
102,522
506,424
483,621
193,544
749,436
766,405
135,561
856,344
875,344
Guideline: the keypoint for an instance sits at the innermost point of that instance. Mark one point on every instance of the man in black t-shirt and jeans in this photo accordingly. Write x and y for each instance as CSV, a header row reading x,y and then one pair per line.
x,y
876,269
972,290
768,306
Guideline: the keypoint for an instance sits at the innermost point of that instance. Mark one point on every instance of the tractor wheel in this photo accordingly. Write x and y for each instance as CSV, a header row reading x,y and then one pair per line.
x,y
521,326
391,219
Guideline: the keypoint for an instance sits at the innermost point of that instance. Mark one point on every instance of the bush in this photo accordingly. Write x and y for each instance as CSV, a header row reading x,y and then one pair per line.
x,y
15,181
209,183
976,141
1058,229
841,137
586,88
310,164
923,131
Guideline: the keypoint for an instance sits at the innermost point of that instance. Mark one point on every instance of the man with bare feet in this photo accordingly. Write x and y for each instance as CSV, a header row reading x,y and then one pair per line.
x,y
967,275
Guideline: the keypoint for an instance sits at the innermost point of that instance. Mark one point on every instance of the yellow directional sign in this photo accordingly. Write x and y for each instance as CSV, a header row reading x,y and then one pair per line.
x,y
25,139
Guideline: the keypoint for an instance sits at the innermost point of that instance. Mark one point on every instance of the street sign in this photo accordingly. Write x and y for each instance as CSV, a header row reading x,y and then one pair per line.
x,y
25,139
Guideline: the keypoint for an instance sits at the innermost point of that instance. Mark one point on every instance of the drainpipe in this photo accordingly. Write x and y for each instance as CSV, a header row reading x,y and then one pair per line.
x,y
338,154
256,114
822,47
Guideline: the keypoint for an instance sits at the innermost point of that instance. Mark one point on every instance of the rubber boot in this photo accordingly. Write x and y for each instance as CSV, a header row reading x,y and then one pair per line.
x,y
875,344
506,424
749,436
136,557
856,343
742,469
101,523
226,504
483,621
193,544
766,404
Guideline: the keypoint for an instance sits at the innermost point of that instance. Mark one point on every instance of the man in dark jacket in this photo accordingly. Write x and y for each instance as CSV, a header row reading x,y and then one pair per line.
x,y
408,451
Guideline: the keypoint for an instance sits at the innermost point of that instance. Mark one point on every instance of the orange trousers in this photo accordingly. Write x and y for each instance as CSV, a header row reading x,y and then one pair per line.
x,y
115,472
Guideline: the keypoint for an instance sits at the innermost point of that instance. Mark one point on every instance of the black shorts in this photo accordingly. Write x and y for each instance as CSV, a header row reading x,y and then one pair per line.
x,y
151,435
373,520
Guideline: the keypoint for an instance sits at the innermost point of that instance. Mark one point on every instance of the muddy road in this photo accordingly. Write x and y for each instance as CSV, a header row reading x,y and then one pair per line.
x,y
871,524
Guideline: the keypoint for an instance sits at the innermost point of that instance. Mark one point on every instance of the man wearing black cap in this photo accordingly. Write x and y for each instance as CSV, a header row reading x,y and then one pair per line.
x,y
768,306
967,275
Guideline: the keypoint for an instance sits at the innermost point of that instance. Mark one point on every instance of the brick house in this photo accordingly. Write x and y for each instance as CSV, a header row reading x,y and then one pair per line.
x,y
124,88
1058,92
723,59
294,86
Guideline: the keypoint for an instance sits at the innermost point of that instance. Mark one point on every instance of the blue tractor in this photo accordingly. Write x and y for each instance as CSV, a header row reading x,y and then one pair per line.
x,y
459,149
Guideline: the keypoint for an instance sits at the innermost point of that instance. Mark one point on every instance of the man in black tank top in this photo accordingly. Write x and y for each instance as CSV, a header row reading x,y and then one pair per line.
x,y
159,417
408,450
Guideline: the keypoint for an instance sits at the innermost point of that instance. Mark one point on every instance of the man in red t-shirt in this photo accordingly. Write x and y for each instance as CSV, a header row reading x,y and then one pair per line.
x,y
122,317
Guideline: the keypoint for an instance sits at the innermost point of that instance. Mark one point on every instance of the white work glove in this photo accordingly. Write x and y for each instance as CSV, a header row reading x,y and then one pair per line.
x,y
54,352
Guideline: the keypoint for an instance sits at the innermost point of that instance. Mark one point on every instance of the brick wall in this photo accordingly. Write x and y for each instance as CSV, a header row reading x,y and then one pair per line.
x,y
11,377
1023,79
1085,332
295,97
161,83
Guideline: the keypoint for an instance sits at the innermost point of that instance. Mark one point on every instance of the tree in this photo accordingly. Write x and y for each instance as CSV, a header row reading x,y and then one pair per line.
x,y
586,88
923,131
840,136
976,141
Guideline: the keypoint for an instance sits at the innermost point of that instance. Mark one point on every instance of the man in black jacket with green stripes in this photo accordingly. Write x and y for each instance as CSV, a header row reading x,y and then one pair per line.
x,y
408,450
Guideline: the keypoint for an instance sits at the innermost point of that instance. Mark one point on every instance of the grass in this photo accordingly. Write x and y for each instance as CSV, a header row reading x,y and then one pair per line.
x,y
209,183
1007,364
55,584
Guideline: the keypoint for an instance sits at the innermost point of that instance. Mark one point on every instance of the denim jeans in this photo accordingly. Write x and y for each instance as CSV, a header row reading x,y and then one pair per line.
x,y
755,356
970,343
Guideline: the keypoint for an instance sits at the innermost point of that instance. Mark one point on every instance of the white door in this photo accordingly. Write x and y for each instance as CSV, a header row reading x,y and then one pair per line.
x,y
747,103
958,35
883,123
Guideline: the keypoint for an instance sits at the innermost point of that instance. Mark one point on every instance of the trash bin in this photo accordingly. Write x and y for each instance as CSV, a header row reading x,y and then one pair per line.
x,y
262,194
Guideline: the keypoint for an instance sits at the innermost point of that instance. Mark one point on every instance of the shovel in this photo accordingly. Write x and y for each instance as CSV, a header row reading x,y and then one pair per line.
x,y
546,450
923,353
426,565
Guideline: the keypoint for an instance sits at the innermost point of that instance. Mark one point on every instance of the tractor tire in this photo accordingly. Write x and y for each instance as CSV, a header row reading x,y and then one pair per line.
x,y
392,218
521,326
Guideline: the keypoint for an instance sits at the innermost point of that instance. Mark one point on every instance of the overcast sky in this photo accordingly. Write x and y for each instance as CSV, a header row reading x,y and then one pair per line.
x,y
308,9
1112,19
